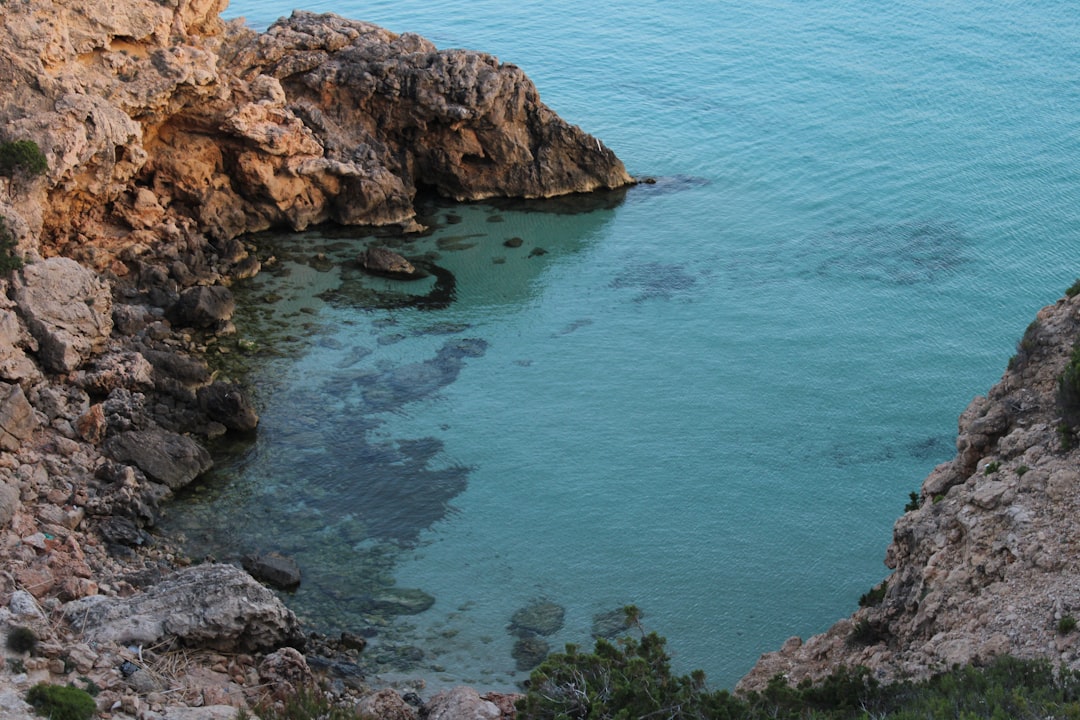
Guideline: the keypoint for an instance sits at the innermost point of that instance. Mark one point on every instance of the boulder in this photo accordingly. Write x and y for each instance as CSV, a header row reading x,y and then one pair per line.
x,y
15,364
17,419
9,503
539,617
67,308
273,568
168,457
287,672
460,703
227,404
219,607
203,307
386,704
380,261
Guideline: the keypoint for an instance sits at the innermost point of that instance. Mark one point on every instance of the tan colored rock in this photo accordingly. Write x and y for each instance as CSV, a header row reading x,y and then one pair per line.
x,y
67,308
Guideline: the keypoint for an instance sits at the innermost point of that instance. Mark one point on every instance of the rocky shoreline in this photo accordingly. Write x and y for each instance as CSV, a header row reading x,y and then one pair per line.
x,y
169,136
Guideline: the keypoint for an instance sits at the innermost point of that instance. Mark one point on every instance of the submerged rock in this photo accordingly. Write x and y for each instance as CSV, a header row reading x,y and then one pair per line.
x,y
380,261
529,652
540,617
274,568
401,601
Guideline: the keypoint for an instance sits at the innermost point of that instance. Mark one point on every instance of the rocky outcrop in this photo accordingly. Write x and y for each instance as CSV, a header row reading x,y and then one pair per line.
x,y
169,132
216,606
987,564
67,308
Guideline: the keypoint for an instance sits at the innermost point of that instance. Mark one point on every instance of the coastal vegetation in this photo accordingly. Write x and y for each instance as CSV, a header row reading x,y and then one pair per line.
x,y
60,702
21,160
1068,397
9,258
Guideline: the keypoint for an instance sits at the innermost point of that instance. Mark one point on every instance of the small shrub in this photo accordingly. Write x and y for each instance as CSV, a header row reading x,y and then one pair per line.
x,y
1074,289
867,633
21,640
631,679
57,702
875,596
17,665
991,467
1065,436
1066,624
1022,470
9,259
22,158
1068,394
913,502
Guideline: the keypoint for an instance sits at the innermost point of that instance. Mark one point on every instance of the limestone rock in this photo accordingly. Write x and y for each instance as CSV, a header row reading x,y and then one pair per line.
x,y
9,504
17,420
460,703
168,457
15,365
386,704
287,672
67,308
203,307
213,606
380,261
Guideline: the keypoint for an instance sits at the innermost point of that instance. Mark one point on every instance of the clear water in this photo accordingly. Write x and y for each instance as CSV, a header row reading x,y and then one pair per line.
x,y
710,399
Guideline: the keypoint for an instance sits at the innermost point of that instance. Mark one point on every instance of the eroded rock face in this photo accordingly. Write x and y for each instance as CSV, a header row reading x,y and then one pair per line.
x,y
987,564
170,458
215,606
67,307
163,121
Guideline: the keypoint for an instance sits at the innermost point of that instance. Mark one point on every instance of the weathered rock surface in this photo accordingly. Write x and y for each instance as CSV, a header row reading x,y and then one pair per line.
x,y
17,420
988,563
216,606
380,261
459,703
168,457
228,404
164,123
67,307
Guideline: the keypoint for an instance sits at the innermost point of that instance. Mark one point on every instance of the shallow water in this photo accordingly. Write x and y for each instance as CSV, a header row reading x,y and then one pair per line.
x,y
710,397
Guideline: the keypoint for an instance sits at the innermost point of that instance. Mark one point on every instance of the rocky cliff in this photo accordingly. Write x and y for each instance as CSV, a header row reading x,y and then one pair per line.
x,y
988,561
168,134
163,125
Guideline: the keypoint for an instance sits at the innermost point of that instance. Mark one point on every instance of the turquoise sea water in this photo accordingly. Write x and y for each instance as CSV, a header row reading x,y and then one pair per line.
x,y
709,398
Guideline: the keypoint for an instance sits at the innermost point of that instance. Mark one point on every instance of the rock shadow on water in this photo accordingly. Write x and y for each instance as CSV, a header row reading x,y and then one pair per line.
x,y
656,281
416,381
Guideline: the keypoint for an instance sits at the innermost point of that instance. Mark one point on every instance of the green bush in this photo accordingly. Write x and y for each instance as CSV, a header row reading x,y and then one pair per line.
x,y
9,259
21,639
630,679
913,502
875,596
1074,289
1068,394
1066,624
991,467
57,702
22,158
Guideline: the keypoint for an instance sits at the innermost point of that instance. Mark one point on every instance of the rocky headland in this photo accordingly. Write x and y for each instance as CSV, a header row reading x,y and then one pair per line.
x,y
984,562
168,137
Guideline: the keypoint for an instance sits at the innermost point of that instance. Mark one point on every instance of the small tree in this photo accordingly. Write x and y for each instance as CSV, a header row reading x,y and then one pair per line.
x,y
21,160
9,258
